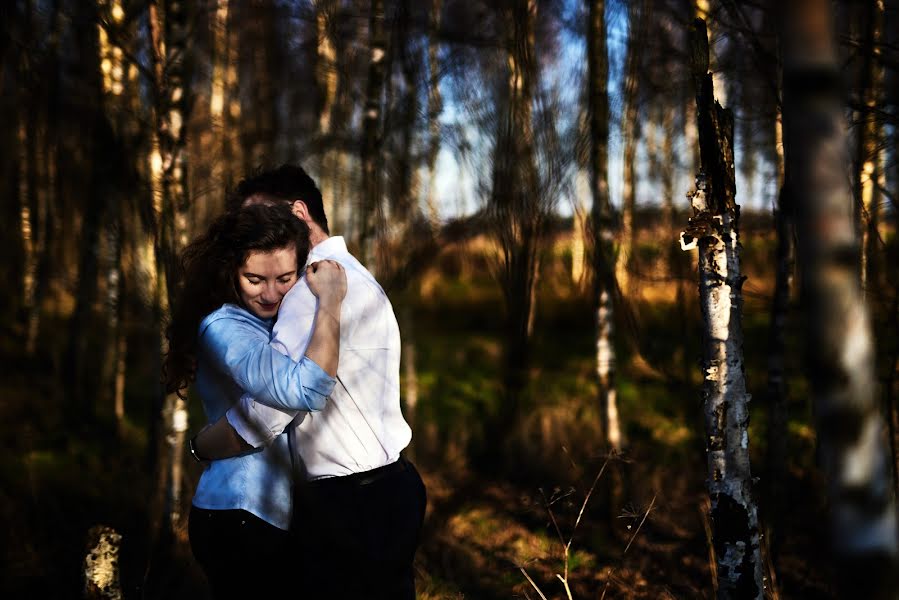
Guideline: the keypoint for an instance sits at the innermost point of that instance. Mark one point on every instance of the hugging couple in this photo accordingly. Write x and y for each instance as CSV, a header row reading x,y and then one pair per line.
x,y
294,350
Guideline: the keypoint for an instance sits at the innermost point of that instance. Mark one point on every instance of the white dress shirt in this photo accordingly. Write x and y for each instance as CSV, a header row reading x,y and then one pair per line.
x,y
361,427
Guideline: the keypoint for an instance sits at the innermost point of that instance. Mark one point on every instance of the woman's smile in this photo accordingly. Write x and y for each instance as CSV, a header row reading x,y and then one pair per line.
x,y
264,279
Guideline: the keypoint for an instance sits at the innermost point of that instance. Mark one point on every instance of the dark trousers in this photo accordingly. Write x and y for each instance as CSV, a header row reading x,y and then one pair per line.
x,y
357,534
242,555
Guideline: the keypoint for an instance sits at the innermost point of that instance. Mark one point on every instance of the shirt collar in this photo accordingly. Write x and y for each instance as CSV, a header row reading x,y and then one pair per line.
x,y
331,246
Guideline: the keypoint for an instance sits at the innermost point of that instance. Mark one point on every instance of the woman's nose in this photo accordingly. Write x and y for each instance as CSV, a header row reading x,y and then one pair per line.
x,y
270,293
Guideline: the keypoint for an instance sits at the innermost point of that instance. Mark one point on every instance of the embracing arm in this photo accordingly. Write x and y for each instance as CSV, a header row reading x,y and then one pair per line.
x,y
251,424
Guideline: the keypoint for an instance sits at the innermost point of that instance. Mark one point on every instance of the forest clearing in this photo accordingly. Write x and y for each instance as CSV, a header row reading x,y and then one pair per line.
x,y
641,255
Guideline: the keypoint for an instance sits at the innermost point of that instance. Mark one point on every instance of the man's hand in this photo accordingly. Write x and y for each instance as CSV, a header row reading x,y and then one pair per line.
x,y
218,441
327,281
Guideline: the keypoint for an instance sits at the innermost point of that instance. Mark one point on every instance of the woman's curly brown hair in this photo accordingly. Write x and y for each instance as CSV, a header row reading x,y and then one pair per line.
x,y
208,276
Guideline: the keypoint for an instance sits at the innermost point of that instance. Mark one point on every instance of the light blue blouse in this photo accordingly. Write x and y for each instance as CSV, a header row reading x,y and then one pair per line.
x,y
235,357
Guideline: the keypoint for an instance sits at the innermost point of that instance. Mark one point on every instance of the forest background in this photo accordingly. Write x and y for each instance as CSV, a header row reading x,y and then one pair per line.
x,y
516,174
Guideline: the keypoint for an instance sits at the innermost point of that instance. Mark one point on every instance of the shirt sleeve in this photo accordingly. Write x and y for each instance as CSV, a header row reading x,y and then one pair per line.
x,y
269,376
257,423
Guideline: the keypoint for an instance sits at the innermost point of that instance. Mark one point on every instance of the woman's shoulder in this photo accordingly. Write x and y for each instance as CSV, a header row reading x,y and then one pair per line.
x,y
228,314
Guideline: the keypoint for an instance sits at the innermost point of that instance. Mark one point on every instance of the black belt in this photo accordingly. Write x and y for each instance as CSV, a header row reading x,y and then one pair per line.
x,y
363,478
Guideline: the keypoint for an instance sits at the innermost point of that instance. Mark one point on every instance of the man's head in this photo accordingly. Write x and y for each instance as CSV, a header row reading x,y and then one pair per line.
x,y
289,184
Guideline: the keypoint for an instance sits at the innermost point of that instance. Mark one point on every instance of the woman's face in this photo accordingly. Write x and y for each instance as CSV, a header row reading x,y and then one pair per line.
x,y
264,279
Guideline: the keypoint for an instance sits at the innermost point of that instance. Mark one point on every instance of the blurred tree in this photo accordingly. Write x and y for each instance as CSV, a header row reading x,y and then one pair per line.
x,y
327,78
869,175
372,211
514,204
259,73
638,24
12,102
169,23
602,220
839,346
435,107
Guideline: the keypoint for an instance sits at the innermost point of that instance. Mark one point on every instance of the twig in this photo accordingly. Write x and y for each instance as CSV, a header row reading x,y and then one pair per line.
x,y
531,581
589,493
636,531
564,581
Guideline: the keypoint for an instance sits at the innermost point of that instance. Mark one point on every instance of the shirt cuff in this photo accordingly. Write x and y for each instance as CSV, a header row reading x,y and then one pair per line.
x,y
255,431
317,384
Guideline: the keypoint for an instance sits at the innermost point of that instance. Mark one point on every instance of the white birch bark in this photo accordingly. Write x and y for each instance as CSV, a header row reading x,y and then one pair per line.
x,y
713,229
101,564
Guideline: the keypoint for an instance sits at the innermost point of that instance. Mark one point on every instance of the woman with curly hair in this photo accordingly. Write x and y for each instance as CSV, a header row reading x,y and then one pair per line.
x,y
233,279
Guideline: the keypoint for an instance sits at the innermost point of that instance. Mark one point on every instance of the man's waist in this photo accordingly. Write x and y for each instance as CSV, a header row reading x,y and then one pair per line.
x,y
360,478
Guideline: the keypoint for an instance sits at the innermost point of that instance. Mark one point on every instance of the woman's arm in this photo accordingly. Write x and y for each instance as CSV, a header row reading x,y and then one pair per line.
x,y
273,379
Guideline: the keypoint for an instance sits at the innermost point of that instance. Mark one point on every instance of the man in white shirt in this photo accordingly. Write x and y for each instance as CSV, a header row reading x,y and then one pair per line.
x,y
358,506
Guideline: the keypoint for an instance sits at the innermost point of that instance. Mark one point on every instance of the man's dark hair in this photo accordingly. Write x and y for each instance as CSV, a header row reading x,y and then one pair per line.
x,y
288,183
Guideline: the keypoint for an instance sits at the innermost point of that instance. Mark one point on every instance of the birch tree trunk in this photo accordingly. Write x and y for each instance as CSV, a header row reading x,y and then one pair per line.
x,y
840,358
168,29
372,210
714,230
602,222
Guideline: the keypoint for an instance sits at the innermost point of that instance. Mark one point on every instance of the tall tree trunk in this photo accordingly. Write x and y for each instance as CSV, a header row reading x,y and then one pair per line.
x,y
868,146
372,212
516,215
224,102
102,143
327,80
602,221
168,30
435,107
630,132
714,229
840,357
777,454
11,217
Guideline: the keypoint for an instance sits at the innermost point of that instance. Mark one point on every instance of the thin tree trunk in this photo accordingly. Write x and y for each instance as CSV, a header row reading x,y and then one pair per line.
x,y
327,79
372,210
435,107
602,221
869,143
630,132
777,453
840,355
168,30
714,229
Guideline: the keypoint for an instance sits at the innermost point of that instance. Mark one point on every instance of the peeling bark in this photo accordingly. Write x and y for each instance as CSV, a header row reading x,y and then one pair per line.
x,y
101,564
713,229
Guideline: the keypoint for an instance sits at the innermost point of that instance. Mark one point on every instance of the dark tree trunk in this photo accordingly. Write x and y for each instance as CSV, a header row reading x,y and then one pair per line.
x,y
852,447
